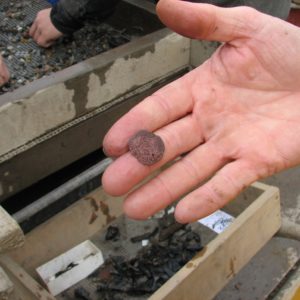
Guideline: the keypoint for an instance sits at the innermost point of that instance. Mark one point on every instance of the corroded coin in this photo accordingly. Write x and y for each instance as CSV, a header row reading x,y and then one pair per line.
x,y
146,147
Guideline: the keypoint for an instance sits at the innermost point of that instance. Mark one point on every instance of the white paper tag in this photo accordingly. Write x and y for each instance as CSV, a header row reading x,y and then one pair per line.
x,y
218,221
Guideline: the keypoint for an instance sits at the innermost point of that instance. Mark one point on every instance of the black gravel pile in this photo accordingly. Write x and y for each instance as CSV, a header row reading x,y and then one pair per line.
x,y
171,247
28,62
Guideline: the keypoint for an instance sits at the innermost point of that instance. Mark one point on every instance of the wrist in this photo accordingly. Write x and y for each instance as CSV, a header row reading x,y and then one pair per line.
x,y
62,21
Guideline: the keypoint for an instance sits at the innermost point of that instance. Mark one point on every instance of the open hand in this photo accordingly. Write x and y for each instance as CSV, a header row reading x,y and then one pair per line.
x,y
238,115
43,32
4,73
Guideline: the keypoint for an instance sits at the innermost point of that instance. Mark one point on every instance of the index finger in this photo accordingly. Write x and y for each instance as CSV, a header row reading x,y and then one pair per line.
x,y
164,106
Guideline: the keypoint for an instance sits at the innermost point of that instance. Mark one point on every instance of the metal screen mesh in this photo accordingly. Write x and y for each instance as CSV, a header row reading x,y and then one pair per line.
x,y
27,62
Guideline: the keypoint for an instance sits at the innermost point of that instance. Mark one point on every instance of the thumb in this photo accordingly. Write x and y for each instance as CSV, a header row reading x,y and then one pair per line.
x,y
209,22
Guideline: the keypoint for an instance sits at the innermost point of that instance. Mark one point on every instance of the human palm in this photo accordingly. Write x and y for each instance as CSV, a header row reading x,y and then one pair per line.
x,y
237,115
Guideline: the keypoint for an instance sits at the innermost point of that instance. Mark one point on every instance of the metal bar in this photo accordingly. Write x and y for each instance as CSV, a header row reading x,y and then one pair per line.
x,y
289,229
61,191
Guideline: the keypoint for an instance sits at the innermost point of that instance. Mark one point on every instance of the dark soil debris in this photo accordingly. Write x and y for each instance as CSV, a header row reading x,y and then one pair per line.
x,y
81,293
152,266
112,233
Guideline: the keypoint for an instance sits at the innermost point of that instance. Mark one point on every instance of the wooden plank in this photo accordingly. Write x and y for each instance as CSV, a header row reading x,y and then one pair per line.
x,y
201,278
205,275
26,288
67,229
6,286
11,235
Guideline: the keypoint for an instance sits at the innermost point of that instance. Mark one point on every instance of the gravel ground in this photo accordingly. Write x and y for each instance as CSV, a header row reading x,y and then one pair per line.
x,y
28,62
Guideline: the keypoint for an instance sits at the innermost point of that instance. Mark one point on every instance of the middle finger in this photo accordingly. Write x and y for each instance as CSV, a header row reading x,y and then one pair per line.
x,y
179,137
177,180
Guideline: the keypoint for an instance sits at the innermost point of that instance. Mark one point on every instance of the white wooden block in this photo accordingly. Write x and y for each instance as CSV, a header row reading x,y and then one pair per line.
x,y
85,259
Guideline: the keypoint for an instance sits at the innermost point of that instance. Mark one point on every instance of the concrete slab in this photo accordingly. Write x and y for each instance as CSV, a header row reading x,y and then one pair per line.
x,y
264,272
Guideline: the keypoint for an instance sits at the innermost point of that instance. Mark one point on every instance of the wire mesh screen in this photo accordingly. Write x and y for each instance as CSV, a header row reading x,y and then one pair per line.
x,y
28,62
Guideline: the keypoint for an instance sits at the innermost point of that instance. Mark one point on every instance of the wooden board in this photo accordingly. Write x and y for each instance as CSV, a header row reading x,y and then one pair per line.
x,y
6,286
67,229
258,219
25,287
205,275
